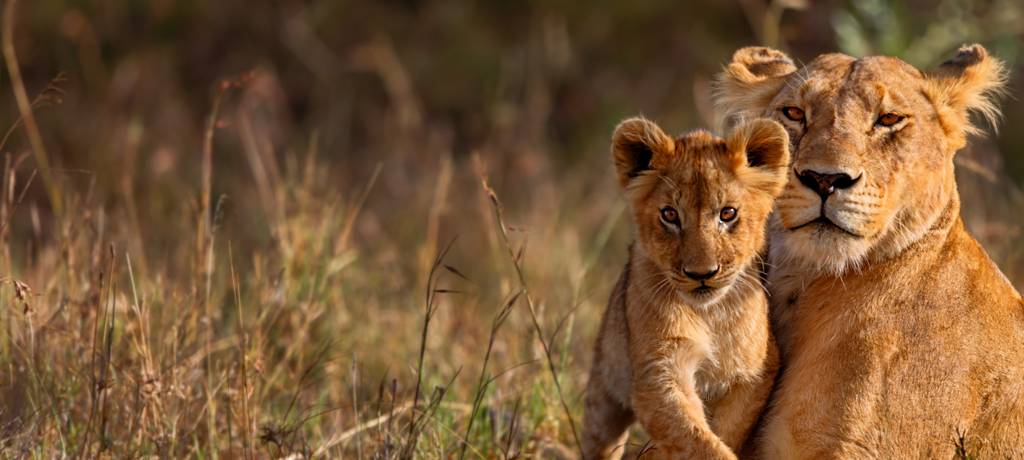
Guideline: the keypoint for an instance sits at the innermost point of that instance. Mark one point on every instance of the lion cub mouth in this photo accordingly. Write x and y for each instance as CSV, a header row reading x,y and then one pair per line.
x,y
703,289
704,294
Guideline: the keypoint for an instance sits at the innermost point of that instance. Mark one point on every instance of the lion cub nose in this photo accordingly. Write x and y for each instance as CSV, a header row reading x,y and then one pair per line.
x,y
701,275
825,184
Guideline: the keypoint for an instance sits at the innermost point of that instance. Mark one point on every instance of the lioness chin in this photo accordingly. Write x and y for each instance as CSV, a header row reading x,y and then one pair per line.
x,y
685,345
897,332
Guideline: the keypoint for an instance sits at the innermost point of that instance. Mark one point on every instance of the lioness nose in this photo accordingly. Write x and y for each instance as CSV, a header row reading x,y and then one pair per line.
x,y
701,275
826,184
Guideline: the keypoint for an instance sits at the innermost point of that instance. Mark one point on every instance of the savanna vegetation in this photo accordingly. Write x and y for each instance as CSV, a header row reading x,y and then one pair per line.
x,y
365,229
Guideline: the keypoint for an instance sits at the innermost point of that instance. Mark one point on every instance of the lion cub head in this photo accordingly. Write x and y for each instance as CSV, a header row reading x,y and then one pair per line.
x,y
700,202
872,140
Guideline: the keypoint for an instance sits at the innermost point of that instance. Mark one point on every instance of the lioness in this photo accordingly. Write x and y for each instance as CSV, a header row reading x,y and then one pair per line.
x,y
899,336
685,344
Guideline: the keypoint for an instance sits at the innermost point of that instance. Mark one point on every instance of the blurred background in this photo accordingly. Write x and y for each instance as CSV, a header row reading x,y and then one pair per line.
x,y
253,198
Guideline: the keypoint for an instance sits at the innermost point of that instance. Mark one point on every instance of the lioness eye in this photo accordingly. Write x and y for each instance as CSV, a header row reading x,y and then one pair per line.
x,y
793,113
728,214
889,119
670,215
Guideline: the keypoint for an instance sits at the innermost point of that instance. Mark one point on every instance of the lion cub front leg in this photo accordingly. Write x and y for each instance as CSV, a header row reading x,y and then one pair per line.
x,y
734,416
666,402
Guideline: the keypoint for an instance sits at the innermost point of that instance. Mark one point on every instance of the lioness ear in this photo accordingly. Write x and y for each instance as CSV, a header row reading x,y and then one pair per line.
x,y
969,82
756,63
759,151
638,145
745,87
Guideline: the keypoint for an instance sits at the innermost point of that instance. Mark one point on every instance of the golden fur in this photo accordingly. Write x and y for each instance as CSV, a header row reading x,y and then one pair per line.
x,y
897,332
693,364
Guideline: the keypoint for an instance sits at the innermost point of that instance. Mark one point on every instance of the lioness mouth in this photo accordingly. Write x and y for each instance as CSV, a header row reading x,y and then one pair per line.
x,y
826,222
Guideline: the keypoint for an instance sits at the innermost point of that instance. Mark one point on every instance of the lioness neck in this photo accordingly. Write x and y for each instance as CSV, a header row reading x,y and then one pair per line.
x,y
787,280
915,232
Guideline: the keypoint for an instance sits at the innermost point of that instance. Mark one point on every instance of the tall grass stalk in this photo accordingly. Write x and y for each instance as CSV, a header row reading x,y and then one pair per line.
x,y
25,108
429,309
516,258
482,381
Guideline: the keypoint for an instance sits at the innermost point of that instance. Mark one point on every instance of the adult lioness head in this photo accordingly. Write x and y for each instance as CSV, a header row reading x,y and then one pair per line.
x,y
872,143
700,202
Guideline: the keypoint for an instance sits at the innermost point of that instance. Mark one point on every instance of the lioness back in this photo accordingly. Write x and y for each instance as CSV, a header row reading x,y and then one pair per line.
x,y
685,346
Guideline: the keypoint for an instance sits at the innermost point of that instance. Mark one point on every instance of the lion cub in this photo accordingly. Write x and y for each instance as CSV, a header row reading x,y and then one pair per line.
x,y
685,345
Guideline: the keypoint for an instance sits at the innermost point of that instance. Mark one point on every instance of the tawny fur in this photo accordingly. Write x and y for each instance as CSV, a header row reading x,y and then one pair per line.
x,y
897,332
693,366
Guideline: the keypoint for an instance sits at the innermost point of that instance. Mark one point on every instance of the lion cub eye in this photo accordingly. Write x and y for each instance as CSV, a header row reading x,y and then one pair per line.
x,y
889,119
670,215
793,113
728,214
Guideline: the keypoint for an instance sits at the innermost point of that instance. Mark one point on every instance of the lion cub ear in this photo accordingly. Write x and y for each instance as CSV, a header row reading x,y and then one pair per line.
x,y
969,82
639,145
759,151
747,85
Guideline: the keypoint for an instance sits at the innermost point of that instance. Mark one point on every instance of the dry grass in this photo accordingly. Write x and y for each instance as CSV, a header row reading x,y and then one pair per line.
x,y
307,344
269,299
